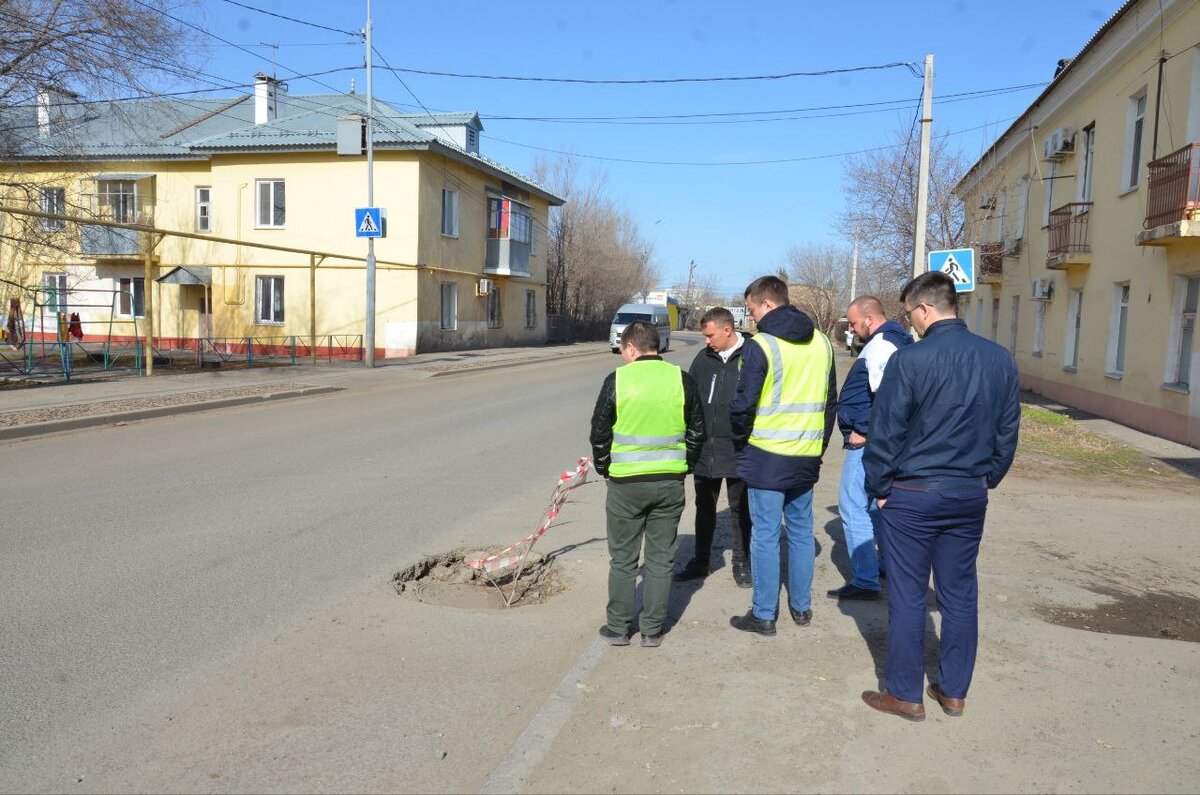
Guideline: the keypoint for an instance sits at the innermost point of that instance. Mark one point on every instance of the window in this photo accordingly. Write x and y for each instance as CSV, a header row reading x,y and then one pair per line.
x,y
509,220
494,320
1039,327
54,200
1183,331
203,209
268,298
530,309
1022,208
131,293
1133,144
979,305
117,200
54,293
1013,324
1074,317
1117,324
1001,208
270,213
1089,162
995,318
449,212
449,306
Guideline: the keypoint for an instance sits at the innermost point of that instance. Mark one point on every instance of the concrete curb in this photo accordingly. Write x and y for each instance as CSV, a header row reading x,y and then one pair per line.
x,y
513,363
75,423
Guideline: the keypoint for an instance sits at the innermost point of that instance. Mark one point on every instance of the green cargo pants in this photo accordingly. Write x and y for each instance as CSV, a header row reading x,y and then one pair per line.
x,y
636,510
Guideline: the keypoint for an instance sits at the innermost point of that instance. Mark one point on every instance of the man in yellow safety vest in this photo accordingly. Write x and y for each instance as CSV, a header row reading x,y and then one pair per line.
x,y
782,417
647,432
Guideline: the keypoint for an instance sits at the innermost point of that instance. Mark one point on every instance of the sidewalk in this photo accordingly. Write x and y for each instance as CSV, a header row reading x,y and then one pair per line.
x,y
49,408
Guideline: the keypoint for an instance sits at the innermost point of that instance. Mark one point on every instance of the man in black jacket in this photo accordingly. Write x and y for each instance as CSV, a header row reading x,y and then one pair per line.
x,y
647,430
715,370
943,431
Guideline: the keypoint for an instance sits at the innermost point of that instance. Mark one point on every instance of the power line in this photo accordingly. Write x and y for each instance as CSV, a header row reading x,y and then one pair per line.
x,y
654,81
291,19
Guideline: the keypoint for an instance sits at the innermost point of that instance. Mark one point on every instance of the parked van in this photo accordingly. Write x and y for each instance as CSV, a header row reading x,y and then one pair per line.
x,y
649,313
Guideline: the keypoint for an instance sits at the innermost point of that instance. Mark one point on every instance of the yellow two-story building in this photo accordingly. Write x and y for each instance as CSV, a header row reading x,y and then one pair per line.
x,y
1085,215
462,262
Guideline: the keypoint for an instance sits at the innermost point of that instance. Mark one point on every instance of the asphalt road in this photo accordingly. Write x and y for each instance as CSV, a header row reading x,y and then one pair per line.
x,y
133,556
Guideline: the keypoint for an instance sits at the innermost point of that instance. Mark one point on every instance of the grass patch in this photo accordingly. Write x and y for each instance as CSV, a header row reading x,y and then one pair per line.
x,y
1051,438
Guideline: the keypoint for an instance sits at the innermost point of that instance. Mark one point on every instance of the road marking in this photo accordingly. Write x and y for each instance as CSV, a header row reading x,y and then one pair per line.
x,y
527,753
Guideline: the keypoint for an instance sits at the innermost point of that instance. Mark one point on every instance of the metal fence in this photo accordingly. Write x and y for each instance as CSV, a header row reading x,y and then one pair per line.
x,y
1173,188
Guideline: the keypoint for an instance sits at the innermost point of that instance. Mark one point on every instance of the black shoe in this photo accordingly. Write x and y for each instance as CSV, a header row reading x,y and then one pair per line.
x,y
748,623
802,619
741,574
694,570
849,591
614,638
651,641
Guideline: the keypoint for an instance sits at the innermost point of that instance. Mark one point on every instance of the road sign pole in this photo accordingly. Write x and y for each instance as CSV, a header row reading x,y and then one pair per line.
x,y
922,172
369,331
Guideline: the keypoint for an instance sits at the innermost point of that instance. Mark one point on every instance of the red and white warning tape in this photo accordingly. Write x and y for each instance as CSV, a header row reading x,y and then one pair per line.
x,y
566,481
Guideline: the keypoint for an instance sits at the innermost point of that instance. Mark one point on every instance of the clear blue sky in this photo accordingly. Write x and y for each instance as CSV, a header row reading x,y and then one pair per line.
x,y
735,221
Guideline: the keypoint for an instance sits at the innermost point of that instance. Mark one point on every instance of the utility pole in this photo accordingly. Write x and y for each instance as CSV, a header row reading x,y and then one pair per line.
x,y
369,332
690,290
854,268
922,171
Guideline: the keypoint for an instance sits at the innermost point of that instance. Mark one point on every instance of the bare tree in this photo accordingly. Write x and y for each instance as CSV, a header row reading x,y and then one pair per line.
x,y
881,195
818,277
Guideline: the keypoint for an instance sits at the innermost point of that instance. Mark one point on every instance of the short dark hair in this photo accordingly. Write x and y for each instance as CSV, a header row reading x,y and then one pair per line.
x,y
869,303
641,335
770,288
719,315
934,288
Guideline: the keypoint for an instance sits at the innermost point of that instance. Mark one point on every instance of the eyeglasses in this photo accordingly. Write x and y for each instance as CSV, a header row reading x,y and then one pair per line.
x,y
908,312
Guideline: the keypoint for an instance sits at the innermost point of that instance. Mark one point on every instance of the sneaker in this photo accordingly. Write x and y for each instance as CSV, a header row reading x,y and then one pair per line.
x,y
651,641
614,638
749,623
694,570
801,617
741,574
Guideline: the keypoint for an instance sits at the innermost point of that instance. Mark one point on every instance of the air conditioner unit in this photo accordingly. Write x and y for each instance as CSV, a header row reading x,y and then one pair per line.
x,y
1059,144
1043,289
483,287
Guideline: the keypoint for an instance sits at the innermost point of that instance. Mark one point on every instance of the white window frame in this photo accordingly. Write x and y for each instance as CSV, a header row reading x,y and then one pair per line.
x,y
1088,165
1118,331
55,282
495,307
1014,327
1177,352
129,290
53,200
274,186
980,307
449,320
449,212
1039,328
204,208
531,309
1022,207
275,315
1074,326
995,319
1135,142
117,199
998,213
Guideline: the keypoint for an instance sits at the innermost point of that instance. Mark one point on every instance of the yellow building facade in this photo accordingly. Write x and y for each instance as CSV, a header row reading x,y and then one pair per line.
x,y
462,262
1085,217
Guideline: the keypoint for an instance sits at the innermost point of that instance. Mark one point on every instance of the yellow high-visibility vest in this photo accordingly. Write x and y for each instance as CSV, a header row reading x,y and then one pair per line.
x,y
790,419
648,434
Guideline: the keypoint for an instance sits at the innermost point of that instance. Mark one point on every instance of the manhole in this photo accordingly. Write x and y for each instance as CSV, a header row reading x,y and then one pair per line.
x,y
1154,614
447,581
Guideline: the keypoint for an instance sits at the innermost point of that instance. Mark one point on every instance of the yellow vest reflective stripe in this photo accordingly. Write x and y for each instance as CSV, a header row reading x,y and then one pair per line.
x,y
648,434
790,418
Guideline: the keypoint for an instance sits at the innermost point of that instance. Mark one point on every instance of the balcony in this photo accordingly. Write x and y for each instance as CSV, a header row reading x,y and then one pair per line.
x,y
1069,243
991,263
506,257
1172,198
510,235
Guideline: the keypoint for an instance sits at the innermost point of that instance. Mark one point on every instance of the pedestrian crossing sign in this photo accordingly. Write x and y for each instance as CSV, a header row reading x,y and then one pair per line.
x,y
368,222
958,264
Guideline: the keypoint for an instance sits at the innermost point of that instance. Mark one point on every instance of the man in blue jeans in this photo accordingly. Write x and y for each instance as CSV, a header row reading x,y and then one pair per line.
x,y
782,417
943,431
884,337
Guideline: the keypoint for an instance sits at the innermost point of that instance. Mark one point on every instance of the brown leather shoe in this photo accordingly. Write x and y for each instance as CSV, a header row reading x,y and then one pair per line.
x,y
951,706
886,702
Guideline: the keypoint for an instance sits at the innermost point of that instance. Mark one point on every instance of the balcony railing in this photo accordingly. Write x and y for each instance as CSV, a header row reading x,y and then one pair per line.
x,y
99,241
1069,231
1173,188
991,260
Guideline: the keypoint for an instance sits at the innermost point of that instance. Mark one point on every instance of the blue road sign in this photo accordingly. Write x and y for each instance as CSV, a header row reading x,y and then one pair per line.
x,y
958,264
368,222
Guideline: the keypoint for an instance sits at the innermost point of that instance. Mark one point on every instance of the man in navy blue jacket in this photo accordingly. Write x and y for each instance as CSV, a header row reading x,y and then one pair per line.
x,y
943,431
884,337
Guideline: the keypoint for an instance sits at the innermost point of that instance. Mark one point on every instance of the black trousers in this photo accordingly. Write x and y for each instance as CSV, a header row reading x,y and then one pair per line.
x,y
707,491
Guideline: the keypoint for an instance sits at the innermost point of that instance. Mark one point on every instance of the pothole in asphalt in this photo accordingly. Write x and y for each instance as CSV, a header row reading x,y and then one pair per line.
x,y
1154,614
447,580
